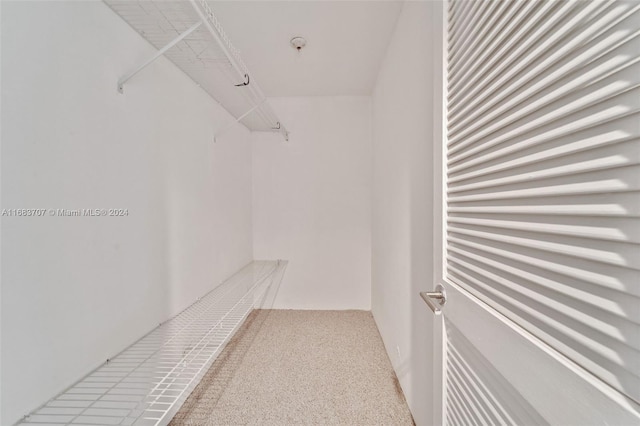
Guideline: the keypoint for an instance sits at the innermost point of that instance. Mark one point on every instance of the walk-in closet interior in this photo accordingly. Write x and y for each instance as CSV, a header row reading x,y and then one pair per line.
x,y
320,212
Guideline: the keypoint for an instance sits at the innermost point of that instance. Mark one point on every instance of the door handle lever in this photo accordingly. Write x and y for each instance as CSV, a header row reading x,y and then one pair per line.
x,y
435,298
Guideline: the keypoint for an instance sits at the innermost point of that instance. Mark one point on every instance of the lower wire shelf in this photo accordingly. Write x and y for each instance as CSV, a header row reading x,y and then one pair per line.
x,y
149,381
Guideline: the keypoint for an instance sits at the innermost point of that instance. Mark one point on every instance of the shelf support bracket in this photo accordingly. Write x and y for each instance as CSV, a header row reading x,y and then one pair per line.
x,y
284,132
159,53
237,120
246,83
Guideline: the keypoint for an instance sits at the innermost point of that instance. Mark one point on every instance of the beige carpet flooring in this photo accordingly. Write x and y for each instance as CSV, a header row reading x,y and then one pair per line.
x,y
300,368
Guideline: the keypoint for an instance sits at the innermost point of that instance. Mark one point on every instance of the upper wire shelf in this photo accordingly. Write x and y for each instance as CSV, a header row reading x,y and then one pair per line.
x,y
189,34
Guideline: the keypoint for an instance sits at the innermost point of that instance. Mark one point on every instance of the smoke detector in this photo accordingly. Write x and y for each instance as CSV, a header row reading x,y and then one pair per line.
x,y
298,43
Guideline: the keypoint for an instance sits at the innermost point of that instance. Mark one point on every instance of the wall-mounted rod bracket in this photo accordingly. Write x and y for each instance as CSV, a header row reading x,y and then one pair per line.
x,y
280,128
159,53
246,83
237,120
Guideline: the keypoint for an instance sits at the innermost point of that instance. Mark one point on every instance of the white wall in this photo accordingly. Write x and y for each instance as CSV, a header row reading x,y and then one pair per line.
x,y
76,290
405,128
312,201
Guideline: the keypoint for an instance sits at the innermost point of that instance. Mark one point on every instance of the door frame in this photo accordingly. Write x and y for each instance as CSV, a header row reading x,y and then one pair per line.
x,y
439,164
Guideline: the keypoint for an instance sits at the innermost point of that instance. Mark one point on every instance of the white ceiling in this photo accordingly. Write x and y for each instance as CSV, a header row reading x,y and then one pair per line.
x,y
346,41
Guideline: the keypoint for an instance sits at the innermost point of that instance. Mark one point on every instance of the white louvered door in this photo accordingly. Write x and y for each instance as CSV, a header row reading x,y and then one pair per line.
x,y
542,212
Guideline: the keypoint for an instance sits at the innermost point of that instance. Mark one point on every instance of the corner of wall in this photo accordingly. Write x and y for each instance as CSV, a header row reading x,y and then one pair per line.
x,y
402,225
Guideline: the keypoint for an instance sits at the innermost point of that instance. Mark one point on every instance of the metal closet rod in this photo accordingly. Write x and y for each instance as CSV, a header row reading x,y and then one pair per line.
x,y
237,120
278,127
242,71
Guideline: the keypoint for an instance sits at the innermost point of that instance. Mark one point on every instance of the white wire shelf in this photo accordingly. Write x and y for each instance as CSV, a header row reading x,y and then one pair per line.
x,y
148,382
188,33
